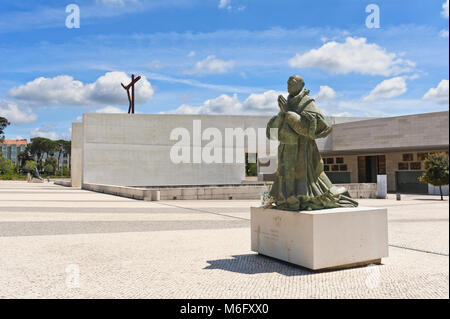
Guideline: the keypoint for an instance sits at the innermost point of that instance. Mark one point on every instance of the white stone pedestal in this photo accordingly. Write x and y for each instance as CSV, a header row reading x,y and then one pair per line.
x,y
321,239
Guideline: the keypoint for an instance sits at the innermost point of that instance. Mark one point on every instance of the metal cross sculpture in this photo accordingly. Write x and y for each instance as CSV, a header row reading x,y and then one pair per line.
x,y
131,97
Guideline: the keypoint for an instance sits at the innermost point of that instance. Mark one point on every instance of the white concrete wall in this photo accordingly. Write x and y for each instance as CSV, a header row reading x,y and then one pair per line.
x,y
77,154
134,150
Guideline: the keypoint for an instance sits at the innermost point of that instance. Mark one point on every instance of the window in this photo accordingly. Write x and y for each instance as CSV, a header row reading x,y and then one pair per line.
x,y
403,166
343,167
326,168
422,156
339,160
381,164
408,157
335,168
329,160
416,165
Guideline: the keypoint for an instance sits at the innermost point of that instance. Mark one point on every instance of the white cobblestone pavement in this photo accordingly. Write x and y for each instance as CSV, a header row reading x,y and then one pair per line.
x,y
124,248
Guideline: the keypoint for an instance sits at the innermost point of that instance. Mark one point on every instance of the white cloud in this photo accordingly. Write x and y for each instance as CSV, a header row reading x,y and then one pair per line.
x,y
16,115
220,105
191,54
157,65
64,90
353,55
265,103
325,94
387,89
444,33
110,109
50,134
225,4
212,65
439,94
444,11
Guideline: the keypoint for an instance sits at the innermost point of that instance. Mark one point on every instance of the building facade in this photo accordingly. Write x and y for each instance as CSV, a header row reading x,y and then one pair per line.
x,y
396,146
136,150
10,149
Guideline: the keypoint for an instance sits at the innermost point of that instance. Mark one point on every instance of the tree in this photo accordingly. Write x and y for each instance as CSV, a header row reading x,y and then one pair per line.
x,y
436,172
68,150
6,166
3,124
50,165
63,147
41,146
24,156
30,166
49,169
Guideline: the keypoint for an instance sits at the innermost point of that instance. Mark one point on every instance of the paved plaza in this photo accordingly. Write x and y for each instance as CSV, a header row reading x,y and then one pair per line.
x,y
58,242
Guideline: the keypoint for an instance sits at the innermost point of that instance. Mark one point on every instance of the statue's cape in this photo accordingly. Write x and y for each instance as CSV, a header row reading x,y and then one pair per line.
x,y
308,104
303,102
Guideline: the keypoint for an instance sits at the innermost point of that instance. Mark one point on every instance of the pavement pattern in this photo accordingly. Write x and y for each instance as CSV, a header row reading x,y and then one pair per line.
x,y
59,242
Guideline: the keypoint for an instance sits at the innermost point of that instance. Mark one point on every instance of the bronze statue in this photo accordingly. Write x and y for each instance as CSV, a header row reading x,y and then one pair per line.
x,y
300,182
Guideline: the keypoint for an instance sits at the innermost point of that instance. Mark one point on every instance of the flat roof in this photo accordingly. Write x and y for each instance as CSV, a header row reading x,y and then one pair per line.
x,y
15,142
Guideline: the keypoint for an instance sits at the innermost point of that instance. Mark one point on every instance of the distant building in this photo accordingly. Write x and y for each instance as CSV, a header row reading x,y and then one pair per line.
x,y
10,149
63,159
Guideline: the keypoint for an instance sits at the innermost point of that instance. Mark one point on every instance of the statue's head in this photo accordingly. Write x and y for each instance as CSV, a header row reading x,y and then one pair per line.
x,y
295,84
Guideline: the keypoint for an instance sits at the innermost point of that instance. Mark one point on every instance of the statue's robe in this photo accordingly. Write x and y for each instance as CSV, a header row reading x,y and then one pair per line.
x,y
300,182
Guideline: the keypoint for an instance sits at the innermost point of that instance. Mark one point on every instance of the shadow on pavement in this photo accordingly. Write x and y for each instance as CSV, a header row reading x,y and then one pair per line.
x,y
257,264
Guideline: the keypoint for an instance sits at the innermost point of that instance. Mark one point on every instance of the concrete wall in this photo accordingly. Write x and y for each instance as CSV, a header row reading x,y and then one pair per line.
x,y
240,191
77,155
412,131
134,150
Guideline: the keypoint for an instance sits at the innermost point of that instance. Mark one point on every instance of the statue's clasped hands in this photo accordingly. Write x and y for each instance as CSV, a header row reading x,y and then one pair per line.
x,y
282,103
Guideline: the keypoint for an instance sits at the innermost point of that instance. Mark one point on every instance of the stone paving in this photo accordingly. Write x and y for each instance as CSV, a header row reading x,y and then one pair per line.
x,y
58,242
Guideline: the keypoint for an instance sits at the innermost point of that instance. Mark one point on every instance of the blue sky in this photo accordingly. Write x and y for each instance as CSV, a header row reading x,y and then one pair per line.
x,y
218,56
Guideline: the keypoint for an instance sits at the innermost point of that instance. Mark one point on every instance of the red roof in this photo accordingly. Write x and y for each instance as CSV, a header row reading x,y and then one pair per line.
x,y
15,142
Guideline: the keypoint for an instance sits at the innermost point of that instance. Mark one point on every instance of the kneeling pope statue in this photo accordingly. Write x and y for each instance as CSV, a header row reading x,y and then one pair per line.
x,y
300,183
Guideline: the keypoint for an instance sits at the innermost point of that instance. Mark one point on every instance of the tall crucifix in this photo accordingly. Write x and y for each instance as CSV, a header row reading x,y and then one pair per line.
x,y
131,97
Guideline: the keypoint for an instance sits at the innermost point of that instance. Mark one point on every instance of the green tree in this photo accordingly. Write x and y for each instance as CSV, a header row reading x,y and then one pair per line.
x,y
24,156
3,124
50,165
6,167
68,150
62,147
49,169
436,172
42,147
30,166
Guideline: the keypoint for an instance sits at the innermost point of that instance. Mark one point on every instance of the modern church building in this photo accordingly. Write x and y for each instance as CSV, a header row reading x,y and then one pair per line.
x,y
165,149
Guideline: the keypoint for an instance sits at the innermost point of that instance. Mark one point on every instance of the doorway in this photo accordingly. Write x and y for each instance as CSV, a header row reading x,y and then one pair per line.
x,y
369,167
